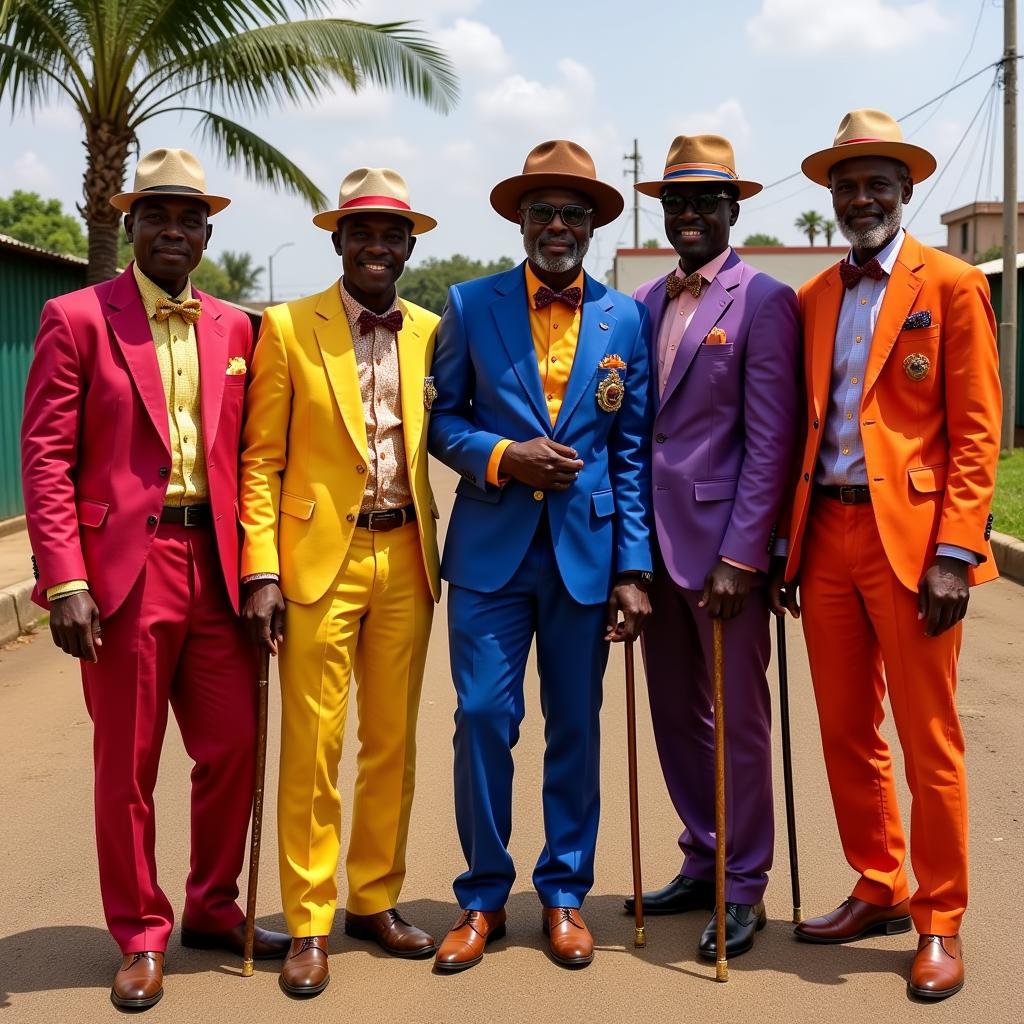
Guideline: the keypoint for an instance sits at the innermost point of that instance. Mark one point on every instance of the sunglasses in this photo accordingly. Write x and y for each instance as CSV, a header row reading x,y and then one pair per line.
x,y
706,202
572,215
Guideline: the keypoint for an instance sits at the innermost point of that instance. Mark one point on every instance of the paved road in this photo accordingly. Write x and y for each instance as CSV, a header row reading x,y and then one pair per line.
x,y
56,959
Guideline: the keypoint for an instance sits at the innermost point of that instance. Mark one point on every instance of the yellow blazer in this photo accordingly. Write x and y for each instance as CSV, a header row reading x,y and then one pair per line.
x,y
304,451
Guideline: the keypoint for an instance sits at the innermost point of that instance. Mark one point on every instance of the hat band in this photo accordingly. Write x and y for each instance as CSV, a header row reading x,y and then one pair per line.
x,y
698,170
173,188
867,138
395,204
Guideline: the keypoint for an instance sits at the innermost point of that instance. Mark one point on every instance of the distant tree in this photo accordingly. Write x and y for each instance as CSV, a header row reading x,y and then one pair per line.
x,y
242,276
761,239
811,223
427,284
651,243
993,252
829,228
42,222
210,277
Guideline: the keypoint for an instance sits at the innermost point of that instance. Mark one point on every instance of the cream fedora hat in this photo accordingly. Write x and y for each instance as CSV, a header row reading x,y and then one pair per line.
x,y
700,158
173,172
374,190
868,132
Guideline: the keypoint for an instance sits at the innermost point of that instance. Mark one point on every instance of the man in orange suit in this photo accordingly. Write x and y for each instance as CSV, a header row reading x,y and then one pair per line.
x,y
889,528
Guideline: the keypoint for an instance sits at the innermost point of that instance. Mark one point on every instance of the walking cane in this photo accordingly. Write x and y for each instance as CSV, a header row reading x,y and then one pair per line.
x,y
639,939
722,963
787,767
257,813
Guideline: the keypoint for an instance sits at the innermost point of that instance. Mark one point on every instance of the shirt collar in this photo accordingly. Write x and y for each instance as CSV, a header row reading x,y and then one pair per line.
x,y
533,282
887,257
353,307
151,291
711,269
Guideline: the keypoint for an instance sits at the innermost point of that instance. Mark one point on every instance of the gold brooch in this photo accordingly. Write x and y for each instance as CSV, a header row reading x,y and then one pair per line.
x,y
917,365
613,361
429,392
610,392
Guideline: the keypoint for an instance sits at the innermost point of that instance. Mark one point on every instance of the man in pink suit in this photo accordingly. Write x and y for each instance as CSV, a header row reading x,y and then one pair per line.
x,y
725,349
130,441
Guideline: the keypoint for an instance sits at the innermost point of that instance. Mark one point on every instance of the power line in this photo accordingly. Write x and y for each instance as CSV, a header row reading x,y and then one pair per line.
x,y
987,151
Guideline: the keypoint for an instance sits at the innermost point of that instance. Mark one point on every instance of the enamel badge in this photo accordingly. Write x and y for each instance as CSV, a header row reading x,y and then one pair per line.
x,y
917,365
610,392
429,392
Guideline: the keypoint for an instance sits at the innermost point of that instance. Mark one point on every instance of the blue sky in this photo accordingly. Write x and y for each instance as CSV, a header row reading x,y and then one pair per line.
x,y
775,76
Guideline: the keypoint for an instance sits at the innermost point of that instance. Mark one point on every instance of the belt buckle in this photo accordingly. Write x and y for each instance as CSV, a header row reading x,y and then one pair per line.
x,y
188,516
848,494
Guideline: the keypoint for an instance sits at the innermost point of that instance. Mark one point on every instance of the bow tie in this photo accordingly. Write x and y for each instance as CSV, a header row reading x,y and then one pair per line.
x,y
190,310
544,296
369,321
692,283
850,273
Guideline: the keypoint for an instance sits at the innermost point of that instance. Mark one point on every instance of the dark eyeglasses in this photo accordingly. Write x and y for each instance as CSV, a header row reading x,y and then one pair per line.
x,y
705,202
572,214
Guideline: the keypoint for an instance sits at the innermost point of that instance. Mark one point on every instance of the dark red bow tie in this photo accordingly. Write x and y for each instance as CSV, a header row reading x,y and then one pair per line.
x,y
369,321
850,273
544,296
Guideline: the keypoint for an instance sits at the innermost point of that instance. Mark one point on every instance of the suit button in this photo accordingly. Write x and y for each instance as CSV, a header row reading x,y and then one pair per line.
x,y
815,424
538,495
360,469
350,518
151,520
164,471
661,438
807,476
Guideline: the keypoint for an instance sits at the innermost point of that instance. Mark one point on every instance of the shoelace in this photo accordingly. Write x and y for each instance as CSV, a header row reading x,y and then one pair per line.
x,y
566,915
467,919
136,957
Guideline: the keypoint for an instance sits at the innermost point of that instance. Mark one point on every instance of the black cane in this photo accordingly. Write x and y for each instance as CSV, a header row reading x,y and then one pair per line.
x,y
787,766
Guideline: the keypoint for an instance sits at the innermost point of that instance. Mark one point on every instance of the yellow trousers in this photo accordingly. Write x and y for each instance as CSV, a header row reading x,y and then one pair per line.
x,y
373,620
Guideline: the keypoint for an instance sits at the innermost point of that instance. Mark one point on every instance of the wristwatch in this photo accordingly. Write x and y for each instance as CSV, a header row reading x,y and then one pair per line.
x,y
641,577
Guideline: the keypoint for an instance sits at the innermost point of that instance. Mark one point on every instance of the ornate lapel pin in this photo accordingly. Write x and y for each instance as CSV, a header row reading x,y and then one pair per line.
x,y
922,318
603,326
429,393
917,365
611,391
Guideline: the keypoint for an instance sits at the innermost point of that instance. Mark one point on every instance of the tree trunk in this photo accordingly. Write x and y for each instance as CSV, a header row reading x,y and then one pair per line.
x,y
106,142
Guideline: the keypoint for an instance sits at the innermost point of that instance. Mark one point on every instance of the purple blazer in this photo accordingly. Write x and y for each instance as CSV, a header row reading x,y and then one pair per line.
x,y
725,427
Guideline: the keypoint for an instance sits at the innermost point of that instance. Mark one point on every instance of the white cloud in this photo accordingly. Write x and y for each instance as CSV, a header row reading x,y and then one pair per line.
x,y
726,119
31,173
381,11
385,151
473,46
518,101
369,104
843,27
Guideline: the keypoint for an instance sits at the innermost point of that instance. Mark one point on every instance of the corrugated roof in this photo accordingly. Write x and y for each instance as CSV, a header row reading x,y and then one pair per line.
x,y
15,245
996,266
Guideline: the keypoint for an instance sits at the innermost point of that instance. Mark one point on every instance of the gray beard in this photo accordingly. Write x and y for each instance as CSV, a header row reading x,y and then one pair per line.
x,y
572,260
876,237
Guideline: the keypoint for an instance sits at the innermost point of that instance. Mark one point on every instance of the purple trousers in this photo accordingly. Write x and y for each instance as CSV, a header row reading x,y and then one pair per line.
x,y
679,661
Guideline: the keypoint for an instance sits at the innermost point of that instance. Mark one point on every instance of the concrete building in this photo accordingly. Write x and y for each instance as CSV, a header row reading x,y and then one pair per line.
x,y
976,228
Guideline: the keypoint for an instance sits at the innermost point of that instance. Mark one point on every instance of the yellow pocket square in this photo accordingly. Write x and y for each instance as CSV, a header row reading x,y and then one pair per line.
x,y
716,336
236,366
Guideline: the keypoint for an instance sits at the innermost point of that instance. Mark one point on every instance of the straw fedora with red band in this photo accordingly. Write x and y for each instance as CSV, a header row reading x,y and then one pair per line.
x,y
700,158
558,164
374,190
868,133
169,172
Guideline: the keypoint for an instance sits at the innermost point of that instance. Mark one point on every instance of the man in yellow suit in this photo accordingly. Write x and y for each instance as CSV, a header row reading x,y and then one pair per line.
x,y
340,554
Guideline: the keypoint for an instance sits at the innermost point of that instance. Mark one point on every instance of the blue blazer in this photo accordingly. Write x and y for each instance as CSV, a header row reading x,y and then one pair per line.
x,y
489,388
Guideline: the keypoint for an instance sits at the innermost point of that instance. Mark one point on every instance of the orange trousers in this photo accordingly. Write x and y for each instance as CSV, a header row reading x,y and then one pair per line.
x,y
863,638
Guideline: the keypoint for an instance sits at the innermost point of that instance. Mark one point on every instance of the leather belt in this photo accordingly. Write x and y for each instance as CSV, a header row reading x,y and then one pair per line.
x,y
848,494
387,519
186,515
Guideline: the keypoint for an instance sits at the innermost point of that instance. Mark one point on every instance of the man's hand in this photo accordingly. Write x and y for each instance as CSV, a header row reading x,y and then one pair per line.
x,y
942,595
725,591
541,463
632,601
782,596
75,625
263,614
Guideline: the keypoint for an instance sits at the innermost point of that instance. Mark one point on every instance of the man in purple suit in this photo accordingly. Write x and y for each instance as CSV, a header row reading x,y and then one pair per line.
x,y
725,350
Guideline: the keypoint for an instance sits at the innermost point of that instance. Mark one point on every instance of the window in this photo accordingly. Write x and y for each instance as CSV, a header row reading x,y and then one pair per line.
x,y
963,237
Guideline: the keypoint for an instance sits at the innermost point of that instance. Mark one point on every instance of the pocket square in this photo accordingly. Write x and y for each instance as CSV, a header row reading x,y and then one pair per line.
x,y
716,336
236,366
923,318
613,361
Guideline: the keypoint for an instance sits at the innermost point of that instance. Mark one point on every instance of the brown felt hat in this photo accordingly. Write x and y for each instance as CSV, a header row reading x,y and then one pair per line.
x,y
169,172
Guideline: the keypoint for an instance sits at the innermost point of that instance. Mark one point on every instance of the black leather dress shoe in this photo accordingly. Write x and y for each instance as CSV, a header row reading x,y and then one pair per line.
x,y
680,895
741,922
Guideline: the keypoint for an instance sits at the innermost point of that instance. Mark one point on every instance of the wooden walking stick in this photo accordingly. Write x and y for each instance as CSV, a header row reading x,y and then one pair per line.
x,y
787,767
257,813
722,962
639,939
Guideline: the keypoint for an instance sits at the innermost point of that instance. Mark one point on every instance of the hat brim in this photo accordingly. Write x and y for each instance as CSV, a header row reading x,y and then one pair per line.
x,y
608,201
123,201
920,162
746,189
421,223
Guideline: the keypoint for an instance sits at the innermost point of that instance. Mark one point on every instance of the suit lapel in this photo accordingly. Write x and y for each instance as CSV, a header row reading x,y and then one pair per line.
x,y
824,316
334,338
212,342
130,326
410,386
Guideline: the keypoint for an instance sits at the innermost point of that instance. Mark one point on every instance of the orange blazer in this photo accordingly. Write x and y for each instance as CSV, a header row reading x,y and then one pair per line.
x,y
930,445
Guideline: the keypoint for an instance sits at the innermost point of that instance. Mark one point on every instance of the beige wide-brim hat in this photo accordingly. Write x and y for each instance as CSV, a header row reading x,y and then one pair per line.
x,y
374,190
700,158
170,172
558,164
868,133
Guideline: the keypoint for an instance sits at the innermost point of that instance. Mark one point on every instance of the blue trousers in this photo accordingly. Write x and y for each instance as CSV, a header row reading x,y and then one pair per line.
x,y
489,639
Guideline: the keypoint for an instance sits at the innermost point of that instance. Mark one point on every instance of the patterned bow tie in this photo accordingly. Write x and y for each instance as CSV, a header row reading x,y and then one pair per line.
x,y
693,283
850,273
544,296
190,310
369,321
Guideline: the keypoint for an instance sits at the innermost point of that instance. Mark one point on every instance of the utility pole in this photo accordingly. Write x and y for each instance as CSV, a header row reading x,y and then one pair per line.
x,y
634,159
270,268
1008,316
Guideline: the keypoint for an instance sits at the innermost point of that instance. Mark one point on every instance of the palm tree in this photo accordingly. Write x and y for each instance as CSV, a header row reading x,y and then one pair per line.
x,y
242,275
123,62
810,223
829,228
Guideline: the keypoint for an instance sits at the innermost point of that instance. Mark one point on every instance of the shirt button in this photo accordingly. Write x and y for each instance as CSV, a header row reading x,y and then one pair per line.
x,y
815,424
849,416
555,326
360,468
164,471
807,477
863,302
846,451
179,373
538,495
350,518
858,339
551,398
853,380
185,440
554,359
181,408
661,438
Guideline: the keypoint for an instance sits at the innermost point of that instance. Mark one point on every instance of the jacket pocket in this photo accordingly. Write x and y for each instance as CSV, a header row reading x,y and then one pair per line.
x,y
714,490
91,512
928,479
293,505
467,489
604,503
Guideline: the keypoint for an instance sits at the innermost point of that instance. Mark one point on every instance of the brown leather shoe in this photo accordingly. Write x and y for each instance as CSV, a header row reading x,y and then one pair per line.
x,y
854,919
139,982
266,945
305,971
938,969
464,944
569,938
391,932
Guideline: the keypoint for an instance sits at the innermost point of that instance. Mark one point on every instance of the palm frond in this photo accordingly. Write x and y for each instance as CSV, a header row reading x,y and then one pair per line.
x,y
28,82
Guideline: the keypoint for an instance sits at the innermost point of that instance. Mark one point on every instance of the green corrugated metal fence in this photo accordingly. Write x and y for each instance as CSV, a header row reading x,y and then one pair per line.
x,y
995,281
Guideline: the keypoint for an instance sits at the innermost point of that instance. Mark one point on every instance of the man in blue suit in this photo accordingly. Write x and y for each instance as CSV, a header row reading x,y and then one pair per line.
x,y
541,401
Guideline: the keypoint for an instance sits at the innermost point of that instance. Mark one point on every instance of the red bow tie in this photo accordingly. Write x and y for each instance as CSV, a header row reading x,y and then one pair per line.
x,y
369,321
544,296
850,273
